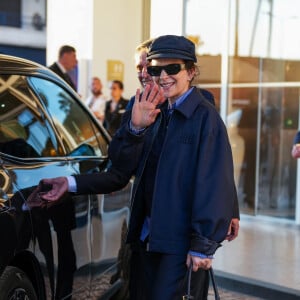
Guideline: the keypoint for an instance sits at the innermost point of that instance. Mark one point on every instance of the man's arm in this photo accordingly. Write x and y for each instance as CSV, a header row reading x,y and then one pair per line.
x,y
94,183
124,152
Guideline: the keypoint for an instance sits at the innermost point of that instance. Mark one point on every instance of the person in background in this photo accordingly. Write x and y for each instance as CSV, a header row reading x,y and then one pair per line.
x,y
141,63
115,108
96,101
67,61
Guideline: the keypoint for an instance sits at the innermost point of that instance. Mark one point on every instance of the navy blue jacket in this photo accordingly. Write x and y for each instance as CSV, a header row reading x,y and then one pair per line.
x,y
193,197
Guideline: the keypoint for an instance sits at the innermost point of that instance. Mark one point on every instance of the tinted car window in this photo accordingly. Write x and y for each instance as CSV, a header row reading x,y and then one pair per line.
x,y
73,123
23,129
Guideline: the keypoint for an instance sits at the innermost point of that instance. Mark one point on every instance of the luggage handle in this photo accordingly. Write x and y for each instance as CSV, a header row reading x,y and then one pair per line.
x,y
188,296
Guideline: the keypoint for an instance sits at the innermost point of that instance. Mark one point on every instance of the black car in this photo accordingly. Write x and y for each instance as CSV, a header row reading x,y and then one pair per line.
x,y
71,249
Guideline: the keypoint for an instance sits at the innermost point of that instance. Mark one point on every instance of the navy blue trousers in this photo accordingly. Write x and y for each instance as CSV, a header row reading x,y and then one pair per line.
x,y
159,276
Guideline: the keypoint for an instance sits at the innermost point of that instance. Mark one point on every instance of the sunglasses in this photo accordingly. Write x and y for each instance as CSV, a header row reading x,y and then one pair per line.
x,y
171,69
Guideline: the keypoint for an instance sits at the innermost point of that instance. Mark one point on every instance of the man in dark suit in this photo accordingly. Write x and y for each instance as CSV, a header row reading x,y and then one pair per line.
x,y
67,61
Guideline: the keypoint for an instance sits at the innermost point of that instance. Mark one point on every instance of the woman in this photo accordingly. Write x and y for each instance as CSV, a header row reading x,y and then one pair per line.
x,y
184,190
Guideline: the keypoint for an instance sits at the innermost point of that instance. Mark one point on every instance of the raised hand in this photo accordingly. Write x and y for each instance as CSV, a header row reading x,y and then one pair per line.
x,y
145,111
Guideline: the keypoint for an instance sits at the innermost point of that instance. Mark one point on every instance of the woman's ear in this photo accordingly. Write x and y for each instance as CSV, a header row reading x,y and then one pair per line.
x,y
191,74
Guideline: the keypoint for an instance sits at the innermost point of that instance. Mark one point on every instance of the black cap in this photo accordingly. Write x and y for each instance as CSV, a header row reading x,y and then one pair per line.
x,y
172,46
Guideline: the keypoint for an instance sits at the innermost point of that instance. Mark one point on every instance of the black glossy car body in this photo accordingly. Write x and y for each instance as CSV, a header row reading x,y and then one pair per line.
x,y
69,250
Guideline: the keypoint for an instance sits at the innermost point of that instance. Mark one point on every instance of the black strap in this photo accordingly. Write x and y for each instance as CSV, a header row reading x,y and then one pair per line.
x,y
188,296
212,276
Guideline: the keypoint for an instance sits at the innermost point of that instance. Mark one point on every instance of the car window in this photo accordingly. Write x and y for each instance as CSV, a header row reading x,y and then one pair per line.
x,y
75,126
23,130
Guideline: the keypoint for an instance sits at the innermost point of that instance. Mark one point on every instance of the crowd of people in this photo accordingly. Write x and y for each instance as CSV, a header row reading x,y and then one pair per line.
x,y
108,111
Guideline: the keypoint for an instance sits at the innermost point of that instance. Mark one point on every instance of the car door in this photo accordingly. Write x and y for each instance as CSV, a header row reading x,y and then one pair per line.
x,y
102,216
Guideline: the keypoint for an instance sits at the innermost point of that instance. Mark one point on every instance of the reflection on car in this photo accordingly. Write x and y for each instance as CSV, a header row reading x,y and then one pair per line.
x,y
69,250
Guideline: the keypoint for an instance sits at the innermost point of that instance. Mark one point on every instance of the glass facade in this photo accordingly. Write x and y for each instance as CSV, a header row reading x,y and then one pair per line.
x,y
249,58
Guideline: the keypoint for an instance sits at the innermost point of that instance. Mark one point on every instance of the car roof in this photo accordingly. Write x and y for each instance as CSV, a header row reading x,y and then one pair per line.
x,y
16,65
8,62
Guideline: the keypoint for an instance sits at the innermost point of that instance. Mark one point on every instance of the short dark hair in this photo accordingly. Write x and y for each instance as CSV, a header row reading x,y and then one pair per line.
x,y
119,83
65,49
190,65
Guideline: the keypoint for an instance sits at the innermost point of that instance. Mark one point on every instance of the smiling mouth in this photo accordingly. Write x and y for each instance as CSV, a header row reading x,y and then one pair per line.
x,y
146,81
166,85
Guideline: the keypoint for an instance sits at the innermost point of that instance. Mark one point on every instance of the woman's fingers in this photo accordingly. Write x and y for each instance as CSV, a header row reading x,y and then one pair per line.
x,y
151,94
161,96
145,109
137,95
145,94
153,114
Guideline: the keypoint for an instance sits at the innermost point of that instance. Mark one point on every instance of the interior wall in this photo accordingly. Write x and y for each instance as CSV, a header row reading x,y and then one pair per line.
x,y
166,17
70,22
118,29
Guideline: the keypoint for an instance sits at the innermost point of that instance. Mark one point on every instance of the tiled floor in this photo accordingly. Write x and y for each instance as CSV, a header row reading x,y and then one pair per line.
x,y
266,253
230,295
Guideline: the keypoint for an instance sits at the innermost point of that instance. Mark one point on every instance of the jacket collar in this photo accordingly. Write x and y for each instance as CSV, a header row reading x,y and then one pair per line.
x,y
188,107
